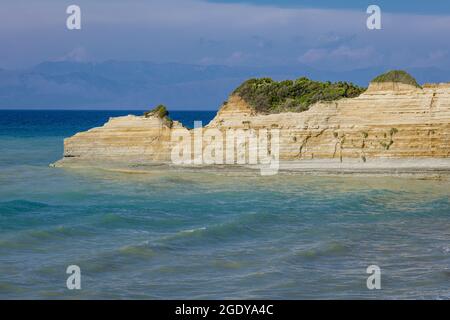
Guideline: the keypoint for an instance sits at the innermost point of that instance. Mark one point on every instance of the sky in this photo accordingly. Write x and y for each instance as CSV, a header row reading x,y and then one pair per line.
x,y
403,6
320,34
206,48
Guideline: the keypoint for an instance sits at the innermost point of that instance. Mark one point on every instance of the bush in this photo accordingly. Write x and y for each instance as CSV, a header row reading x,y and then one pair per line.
x,y
269,96
161,112
397,76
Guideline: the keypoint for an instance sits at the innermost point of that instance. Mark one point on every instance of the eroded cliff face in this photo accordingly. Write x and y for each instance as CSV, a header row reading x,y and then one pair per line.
x,y
389,120
130,139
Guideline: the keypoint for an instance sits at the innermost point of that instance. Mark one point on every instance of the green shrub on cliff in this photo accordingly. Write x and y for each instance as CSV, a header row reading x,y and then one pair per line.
x,y
397,76
269,96
161,112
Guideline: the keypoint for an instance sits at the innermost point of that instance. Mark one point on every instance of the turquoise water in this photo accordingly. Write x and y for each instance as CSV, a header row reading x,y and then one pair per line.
x,y
187,234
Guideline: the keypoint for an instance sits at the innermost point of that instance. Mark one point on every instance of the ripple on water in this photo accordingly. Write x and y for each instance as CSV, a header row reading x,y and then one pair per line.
x,y
56,232
9,288
20,206
138,251
243,227
36,239
311,252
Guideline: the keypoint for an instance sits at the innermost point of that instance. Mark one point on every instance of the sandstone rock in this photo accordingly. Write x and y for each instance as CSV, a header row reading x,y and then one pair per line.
x,y
389,120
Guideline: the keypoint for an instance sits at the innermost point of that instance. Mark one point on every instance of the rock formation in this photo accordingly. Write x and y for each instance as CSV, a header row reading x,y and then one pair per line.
x,y
389,120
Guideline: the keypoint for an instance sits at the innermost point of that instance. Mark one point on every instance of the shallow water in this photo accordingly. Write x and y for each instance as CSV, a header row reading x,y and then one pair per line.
x,y
173,234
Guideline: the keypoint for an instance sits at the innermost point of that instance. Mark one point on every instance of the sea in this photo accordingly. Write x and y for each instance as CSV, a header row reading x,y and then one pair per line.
x,y
174,234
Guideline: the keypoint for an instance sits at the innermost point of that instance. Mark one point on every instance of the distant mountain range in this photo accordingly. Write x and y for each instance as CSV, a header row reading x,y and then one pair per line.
x,y
141,85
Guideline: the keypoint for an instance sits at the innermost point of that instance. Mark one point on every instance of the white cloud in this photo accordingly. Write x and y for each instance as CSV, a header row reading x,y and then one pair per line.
x,y
340,58
78,54
235,58
432,59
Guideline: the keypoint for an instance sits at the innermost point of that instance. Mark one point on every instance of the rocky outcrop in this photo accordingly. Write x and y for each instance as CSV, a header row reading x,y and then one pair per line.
x,y
389,120
130,139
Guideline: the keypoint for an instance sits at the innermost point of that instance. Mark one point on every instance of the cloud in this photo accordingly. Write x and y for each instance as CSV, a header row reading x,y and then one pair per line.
x,y
261,42
78,54
432,59
331,39
189,31
234,59
342,57
208,43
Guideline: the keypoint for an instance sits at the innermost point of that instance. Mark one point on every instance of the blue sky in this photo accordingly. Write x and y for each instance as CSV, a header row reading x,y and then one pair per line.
x,y
402,6
283,38
320,34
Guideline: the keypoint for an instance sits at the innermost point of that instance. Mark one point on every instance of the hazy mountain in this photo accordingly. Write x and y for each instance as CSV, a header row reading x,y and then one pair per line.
x,y
140,85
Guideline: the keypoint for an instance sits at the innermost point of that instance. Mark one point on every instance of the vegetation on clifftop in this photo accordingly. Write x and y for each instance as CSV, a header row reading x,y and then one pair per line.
x,y
269,96
161,112
397,76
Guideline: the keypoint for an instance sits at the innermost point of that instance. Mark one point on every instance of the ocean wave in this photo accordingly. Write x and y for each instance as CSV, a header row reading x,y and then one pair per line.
x,y
189,231
20,206
8,288
112,218
33,238
244,226
57,232
227,264
13,245
320,251
118,258
139,251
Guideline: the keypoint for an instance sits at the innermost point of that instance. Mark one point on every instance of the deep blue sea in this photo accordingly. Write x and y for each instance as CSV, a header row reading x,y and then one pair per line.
x,y
207,235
